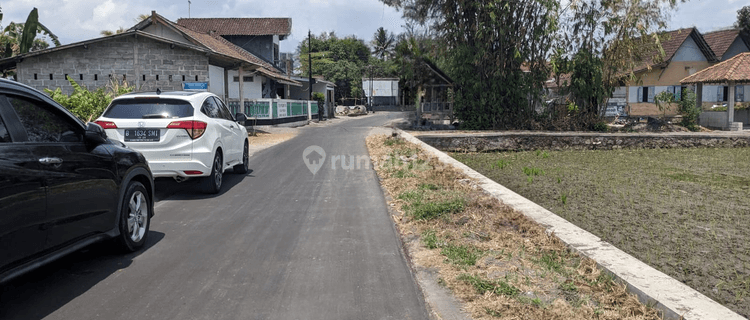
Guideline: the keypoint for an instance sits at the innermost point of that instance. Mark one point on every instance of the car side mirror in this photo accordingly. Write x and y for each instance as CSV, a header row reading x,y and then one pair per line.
x,y
95,133
240,117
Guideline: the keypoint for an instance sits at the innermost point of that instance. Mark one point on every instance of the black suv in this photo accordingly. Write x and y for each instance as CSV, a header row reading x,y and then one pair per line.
x,y
63,184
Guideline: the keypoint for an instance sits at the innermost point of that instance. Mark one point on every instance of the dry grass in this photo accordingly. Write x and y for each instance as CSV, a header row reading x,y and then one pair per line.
x,y
497,262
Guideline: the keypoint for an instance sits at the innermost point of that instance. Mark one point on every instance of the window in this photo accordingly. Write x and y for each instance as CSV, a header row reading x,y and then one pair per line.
x,y
149,108
739,93
211,109
226,114
42,124
4,136
676,91
646,94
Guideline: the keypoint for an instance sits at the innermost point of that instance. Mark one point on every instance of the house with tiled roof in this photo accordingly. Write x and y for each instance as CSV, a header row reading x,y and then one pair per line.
x,y
727,43
260,36
685,52
156,54
735,74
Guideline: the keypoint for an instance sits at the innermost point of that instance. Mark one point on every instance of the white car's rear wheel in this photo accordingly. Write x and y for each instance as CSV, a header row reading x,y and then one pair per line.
x,y
212,183
242,168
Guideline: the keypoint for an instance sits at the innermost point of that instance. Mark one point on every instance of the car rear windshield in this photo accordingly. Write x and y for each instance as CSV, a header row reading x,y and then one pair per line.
x,y
149,109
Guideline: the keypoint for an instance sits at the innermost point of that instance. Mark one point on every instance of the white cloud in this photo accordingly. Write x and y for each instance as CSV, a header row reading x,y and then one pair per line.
x,y
77,20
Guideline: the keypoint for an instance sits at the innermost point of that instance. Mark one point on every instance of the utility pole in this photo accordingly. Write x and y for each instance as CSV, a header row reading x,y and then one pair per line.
x,y
309,57
372,94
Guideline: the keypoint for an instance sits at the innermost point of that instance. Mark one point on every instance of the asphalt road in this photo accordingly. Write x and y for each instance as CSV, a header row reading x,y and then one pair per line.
x,y
278,243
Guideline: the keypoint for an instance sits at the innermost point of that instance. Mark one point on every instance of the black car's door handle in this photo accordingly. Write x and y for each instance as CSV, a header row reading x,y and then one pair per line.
x,y
50,161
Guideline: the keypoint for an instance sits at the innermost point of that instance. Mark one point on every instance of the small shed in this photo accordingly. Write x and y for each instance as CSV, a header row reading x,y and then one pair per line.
x,y
384,91
733,73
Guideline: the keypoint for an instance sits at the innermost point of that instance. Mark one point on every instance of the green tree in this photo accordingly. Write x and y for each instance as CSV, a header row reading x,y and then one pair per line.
x,y
602,44
20,38
743,20
495,51
340,60
110,32
689,110
138,19
382,44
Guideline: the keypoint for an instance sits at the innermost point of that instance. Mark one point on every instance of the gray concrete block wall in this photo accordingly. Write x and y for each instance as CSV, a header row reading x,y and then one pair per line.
x,y
116,57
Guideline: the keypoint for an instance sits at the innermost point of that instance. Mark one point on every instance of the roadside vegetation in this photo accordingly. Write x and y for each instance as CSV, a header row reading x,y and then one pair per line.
x,y
497,262
682,211
90,104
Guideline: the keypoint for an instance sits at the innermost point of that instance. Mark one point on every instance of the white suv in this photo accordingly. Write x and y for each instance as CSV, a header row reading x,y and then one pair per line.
x,y
181,134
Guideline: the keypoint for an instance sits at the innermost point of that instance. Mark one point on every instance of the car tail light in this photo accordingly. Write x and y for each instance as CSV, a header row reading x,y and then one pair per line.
x,y
192,172
106,124
194,128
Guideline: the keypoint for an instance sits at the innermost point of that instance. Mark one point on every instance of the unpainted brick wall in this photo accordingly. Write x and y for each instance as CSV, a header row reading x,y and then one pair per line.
x,y
116,57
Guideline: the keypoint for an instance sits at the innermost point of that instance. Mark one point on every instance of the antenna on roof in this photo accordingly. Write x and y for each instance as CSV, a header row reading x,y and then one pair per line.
x,y
189,8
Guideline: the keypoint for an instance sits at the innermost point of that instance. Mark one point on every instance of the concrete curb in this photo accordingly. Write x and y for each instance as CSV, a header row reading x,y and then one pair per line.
x,y
674,298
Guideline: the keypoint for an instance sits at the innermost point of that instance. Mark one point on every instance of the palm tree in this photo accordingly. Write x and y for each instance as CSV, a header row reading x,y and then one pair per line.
x,y
138,19
382,44
142,17
109,32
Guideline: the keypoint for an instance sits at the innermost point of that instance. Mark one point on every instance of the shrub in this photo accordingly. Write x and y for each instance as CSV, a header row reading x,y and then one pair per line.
x,y
600,126
689,111
86,104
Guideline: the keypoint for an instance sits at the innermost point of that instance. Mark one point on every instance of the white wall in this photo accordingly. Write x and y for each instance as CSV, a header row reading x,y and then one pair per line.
x,y
737,47
216,81
253,90
689,51
165,32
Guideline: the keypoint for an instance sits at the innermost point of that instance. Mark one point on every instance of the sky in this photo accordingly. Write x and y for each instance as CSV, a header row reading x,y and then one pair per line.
x,y
78,20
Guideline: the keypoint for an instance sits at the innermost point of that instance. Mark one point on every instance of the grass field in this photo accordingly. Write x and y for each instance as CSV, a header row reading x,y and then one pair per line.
x,y
685,212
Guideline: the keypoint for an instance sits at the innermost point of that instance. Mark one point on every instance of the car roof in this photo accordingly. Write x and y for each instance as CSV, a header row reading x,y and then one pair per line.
x,y
192,96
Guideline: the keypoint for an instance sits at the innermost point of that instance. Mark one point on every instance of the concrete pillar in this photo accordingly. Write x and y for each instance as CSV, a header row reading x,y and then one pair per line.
x,y
730,107
309,110
242,91
226,89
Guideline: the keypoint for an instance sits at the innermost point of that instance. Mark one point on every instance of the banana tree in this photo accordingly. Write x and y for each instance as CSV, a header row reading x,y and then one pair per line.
x,y
19,38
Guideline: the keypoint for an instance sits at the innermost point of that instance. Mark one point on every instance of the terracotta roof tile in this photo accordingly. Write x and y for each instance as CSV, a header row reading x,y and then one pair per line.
x,y
736,69
239,26
672,40
720,41
220,45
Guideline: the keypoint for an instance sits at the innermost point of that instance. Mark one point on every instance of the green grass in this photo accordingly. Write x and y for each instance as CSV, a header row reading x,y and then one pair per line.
x,y
427,203
429,239
432,210
685,212
482,285
461,255
551,261
392,141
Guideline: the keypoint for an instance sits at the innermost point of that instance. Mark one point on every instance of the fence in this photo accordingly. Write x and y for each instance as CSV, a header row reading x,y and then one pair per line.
x,y
276,109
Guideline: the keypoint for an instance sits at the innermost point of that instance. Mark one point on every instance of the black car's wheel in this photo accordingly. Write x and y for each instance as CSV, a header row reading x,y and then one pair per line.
x,y
242,168
212,183
135,217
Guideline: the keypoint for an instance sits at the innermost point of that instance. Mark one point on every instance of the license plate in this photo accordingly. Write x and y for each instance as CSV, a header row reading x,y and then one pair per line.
x,y
142,135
